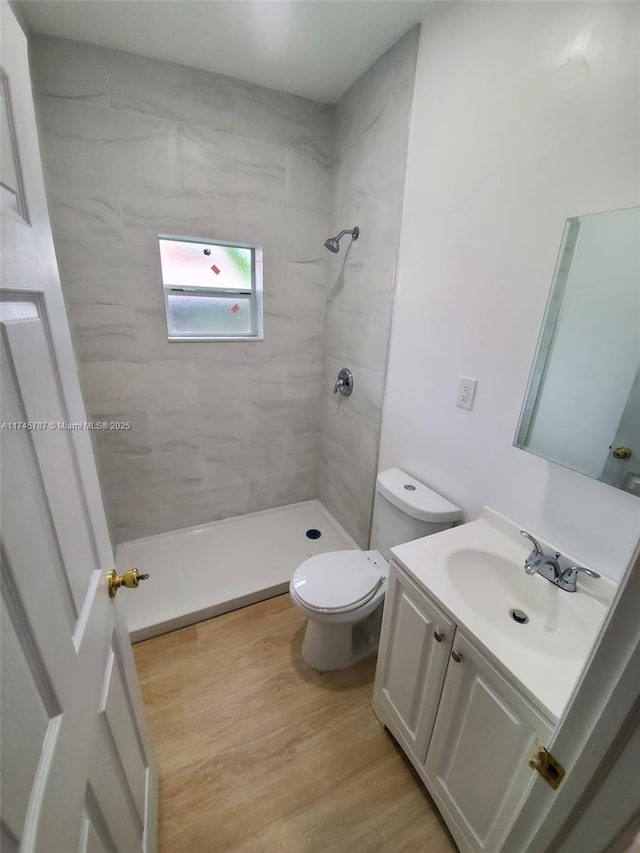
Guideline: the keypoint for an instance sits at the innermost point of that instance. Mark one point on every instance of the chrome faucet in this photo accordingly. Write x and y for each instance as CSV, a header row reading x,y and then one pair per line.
x,y
550,567
536,555
567,579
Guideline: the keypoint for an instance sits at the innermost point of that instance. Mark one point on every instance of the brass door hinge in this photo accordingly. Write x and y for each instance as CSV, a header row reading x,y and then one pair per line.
x,y
547,766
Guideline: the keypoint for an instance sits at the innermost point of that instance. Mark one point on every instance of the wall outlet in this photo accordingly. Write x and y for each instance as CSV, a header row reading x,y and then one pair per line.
x,y
466,392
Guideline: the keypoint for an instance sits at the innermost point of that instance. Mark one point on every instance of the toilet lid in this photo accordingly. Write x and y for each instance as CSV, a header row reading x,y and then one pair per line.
x,y
336,580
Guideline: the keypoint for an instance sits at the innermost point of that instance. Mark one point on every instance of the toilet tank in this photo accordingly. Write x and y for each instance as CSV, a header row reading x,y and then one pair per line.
x,y
405,509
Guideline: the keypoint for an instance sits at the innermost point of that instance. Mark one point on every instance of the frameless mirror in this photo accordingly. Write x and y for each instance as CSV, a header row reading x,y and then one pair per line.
x,y
582,407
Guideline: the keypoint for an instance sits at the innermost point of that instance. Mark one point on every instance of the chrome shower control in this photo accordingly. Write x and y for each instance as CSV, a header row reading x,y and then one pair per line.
x,y
344,382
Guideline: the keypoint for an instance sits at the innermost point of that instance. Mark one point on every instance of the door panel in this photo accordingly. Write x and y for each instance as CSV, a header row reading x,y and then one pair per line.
x,y
25,718
119,721
107,773
55,457
95,836
412,663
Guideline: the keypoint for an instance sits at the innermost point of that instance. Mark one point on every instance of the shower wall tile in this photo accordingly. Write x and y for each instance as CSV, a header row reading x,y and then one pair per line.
x,y
151,210
307,184
285,488
124,443
102,331
96,273
291,233
349,497
134,147
120,386
372,95
368,401
372,128
368,347
122,147
78,74
200,506
275,418
238,463
229,165
166,90
272,116
85,208
175,429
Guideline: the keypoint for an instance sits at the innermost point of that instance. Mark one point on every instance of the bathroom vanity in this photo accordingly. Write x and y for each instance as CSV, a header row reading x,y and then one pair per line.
x,y
470,692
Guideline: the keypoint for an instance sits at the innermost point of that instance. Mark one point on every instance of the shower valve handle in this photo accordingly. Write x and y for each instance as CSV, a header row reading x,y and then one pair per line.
x,y
344,382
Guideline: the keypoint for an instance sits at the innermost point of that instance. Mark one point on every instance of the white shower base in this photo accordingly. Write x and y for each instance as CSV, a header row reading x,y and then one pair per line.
x,y
211,569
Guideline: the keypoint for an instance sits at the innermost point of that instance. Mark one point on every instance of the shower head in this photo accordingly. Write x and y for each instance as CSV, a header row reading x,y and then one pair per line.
x,y
333,243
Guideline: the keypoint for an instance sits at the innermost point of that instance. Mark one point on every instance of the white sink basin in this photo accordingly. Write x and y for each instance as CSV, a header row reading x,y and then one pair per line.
x,y
560,623
475,573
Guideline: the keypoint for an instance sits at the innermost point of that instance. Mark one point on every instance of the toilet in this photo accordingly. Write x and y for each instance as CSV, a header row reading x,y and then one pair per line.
x,y
342,592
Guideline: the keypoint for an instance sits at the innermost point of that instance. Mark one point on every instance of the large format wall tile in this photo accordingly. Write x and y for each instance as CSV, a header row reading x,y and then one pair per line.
x,y
166,90
372,129
76,74
122,147
133,148
229,165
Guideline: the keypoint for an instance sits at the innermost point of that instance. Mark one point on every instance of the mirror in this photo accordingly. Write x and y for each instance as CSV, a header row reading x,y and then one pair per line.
x,y
582,407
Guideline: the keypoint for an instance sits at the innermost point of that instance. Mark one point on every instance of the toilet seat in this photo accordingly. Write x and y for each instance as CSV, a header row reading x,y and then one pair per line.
x,y
337,581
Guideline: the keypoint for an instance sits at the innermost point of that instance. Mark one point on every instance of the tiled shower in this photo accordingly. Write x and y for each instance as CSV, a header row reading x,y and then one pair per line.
x,y
134,147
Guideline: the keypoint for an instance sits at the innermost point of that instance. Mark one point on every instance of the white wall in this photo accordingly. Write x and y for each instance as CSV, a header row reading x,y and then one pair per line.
x,y
524,114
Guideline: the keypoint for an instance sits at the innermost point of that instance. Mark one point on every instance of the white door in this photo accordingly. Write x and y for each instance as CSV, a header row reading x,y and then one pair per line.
x,y
78,771
477,765
415,642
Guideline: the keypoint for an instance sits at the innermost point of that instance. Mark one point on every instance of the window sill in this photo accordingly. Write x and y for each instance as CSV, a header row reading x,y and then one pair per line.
x,y
214,338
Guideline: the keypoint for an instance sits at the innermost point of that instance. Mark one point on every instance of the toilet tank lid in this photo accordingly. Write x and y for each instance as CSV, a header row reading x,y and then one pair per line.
x,y
418,500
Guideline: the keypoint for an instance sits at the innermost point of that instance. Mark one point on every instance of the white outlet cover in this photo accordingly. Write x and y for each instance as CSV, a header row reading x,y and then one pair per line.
x,y
466,392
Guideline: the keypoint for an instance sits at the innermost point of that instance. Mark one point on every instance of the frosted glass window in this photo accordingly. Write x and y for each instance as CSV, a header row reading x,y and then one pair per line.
x,y
212,291
209,315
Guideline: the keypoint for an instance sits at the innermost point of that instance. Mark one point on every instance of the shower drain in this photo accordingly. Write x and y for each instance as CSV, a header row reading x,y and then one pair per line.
x,y
519,616
312,533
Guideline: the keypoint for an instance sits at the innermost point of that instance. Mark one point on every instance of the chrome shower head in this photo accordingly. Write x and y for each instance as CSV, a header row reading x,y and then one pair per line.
x,y
333,243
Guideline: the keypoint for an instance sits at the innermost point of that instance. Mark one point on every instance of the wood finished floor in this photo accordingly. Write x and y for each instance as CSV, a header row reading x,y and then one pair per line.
x,y
260,753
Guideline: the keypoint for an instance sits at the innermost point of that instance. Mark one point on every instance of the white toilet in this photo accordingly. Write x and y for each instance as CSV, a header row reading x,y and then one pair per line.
x,y
342,592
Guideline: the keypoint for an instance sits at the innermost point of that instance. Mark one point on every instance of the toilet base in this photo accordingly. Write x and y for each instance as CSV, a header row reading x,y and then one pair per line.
x,y
329,646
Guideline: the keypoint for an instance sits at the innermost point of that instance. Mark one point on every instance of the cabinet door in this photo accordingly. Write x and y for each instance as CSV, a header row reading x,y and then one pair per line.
x,y
415,643
477,765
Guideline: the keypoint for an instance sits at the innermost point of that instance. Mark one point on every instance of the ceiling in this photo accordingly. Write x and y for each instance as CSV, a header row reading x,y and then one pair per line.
x,y
313,48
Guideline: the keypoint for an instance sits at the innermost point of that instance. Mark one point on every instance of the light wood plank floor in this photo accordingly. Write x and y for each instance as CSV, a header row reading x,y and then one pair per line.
x,y
260,753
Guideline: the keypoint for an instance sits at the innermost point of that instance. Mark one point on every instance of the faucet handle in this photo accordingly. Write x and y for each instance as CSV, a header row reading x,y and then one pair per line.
x,y
569,577
537,550
572,571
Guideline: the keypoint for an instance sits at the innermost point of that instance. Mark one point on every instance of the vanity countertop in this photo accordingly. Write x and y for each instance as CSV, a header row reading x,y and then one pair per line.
x,y
475,573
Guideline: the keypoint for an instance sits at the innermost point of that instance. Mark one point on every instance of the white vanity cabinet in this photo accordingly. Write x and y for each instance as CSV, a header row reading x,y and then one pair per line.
x,y
485,732
415,643
466,729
